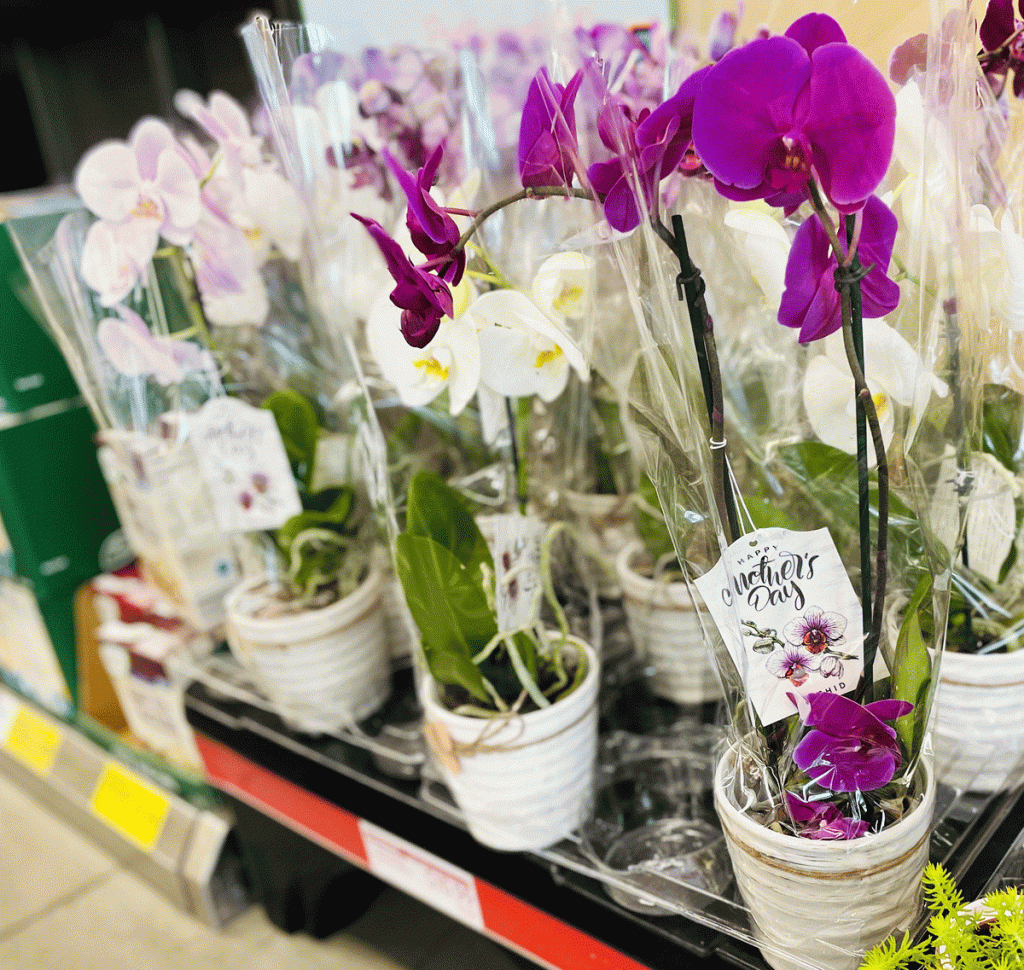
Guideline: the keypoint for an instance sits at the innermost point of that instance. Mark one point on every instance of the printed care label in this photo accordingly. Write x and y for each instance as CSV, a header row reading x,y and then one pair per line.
x,y
130,805
242,459
516,552
422,875
789,617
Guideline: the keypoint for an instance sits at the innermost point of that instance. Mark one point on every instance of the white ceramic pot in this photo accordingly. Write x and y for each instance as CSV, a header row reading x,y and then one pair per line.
x,y
322,668
979,720
667,633
606,521
524,783
820,904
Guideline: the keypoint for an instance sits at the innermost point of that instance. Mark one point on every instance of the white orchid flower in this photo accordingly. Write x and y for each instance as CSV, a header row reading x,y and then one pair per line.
x,y
1013,280
895,373
451,360
767,246
562,286
522,352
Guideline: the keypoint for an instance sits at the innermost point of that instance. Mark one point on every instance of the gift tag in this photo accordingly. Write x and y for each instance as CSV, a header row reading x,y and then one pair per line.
x,y
516,552
242,459
789,617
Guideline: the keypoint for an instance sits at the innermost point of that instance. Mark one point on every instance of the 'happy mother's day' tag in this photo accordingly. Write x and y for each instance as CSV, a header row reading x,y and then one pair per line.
x,y
789,617
242,458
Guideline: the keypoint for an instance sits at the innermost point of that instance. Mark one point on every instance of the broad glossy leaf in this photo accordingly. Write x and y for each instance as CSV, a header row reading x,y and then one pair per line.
x,y
438,511
449,607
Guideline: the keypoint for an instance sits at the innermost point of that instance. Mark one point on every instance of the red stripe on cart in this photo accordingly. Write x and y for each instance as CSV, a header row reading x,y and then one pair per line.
x,y
544,937
312,816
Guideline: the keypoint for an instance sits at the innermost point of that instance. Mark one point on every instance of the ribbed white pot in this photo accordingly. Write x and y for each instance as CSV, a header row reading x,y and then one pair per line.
x,y
323,668
819,904
607,522
979,720
666,633
525,783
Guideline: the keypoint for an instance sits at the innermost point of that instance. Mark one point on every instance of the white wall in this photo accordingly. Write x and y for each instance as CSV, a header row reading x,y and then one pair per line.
x,y
357,24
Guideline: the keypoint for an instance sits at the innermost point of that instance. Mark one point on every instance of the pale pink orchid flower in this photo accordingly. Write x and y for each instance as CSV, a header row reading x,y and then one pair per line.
x,y
146,180
227,123
133,351
114,255
227,277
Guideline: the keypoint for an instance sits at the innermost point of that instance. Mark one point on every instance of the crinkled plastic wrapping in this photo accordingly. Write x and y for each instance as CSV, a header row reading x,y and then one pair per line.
x,y
782,402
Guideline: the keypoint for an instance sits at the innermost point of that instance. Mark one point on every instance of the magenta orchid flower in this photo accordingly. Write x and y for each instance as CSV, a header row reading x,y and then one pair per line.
x,y
792,664
146,179
777,111
132,350
823,821
850,748
816,630
1001,29
434,232
647,150
422,297
810,302
547,132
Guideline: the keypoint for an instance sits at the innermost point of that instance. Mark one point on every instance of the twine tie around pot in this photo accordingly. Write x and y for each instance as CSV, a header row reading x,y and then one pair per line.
x,y
450,752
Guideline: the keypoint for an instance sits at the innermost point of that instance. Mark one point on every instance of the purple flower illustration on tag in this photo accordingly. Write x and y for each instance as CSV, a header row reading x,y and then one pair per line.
x,y
816,630
793,664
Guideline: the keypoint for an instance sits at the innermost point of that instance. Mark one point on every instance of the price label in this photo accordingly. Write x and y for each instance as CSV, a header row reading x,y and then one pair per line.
x,y
422,875
33,741
130,806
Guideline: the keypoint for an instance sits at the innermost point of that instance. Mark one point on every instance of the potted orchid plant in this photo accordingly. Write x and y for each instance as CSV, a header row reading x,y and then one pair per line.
x,y
146,290
825,792
312,627
979,729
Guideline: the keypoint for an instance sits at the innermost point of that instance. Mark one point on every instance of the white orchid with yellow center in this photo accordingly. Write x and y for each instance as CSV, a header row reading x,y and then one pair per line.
x,y
897,376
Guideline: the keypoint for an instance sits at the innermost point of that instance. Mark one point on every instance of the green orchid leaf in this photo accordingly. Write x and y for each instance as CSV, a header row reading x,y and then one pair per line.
x,y
912,669
334,517
436,510
448,604
297,422
767,515
651,528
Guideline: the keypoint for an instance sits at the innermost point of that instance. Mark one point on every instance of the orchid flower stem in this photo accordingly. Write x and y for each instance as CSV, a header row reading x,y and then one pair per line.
x,y
519,471
690,286
540,192
863,480
190,297
849,265
496,275
963,458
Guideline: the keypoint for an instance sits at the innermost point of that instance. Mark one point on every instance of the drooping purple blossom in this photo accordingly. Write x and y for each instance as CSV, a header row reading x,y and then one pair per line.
x,y
434,232
722,33
810,303
850,747
422,297
816,630
1001,37
823,821
777,111
647,150
547,132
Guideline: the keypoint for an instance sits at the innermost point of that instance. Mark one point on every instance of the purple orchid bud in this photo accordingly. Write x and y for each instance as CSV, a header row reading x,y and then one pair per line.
x,y
422,297
772,114
822,820
850,747
434,232
810,302
908,58
722,35
547,132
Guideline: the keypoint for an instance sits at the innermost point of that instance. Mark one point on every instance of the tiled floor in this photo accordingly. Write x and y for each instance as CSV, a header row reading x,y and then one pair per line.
x,y
66,905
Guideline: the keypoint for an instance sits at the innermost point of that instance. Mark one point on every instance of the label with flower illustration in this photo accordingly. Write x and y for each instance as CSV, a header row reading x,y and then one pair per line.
x,y
789,617
243,461
516,552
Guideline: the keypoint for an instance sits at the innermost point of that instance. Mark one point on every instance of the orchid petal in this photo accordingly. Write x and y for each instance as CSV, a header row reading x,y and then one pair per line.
x,y
107,180
814,29
149,139
562,286
748,100
828,396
